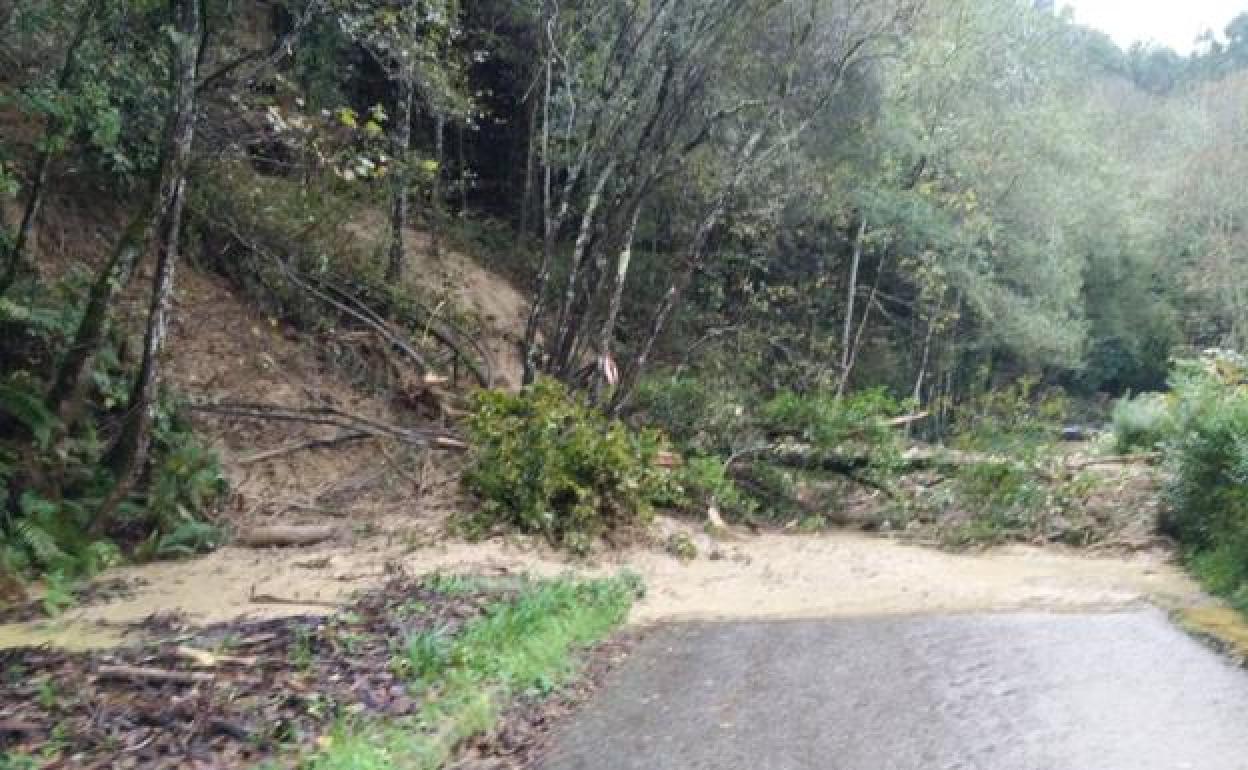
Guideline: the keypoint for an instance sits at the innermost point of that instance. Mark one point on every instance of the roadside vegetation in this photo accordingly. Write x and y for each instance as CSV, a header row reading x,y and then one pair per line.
x,y
399,678
1201,429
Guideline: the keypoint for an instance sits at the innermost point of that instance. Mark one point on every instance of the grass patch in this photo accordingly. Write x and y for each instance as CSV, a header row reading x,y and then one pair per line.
x,y
521,646
1224,627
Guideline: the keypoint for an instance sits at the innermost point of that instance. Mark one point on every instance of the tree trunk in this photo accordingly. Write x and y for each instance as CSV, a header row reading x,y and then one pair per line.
x,y
923,362
463,171
68,381
129,456
846,339
19,261
548,238
575,264
530,165
862,328
435,195
606,365
402,178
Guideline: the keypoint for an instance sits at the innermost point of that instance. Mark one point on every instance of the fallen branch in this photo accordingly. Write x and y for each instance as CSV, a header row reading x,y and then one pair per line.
x,y
360,312
936,458
326,415
347,303
284,536
263,60
1143,458
143,673
17,726
806,457
316,443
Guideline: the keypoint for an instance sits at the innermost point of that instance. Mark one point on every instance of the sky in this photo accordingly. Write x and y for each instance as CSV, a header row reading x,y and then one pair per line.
x,y
1175,23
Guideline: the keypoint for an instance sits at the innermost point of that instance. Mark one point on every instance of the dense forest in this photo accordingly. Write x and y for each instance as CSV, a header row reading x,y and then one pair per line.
x,y
736,219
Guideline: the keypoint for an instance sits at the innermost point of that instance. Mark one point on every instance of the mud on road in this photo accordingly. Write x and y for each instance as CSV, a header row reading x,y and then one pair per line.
x,y
767,576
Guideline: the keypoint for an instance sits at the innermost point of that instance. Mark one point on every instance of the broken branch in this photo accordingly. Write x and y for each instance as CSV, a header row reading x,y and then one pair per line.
x,y
316,443
153,674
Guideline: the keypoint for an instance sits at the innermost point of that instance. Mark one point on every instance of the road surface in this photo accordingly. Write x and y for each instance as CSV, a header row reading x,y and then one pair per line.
x,y
1016,691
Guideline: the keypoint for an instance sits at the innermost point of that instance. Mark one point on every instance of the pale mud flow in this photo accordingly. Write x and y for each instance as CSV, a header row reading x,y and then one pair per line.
x,y
752,577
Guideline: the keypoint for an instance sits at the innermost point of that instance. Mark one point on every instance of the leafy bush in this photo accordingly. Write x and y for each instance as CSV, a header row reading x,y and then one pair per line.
x,y
695,413
827,421
1013,421
703,480
1005,501
1207,452
1142,422
545,462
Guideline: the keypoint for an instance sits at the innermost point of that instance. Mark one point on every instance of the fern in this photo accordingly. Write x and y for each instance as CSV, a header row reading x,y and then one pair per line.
x,y
41,544
25,405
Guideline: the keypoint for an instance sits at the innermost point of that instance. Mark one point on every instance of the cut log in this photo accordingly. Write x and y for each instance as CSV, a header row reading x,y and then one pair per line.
x,y
283,536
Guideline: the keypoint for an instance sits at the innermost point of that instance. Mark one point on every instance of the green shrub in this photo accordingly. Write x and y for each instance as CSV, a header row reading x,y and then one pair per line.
x,y
702,481
1005,501
1142,422
1208,455
697,414
545,462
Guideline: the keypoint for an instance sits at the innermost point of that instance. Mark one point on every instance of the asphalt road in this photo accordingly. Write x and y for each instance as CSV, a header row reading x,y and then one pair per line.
x,y
1123,691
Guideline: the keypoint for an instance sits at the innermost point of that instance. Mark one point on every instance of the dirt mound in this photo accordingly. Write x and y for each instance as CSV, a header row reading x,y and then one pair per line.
x,y
225,350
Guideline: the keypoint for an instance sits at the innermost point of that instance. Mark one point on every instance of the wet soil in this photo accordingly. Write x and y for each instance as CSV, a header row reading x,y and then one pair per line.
x,y
766,576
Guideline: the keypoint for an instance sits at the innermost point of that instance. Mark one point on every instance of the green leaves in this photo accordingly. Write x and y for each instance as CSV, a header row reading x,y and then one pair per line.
x,y
545,462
